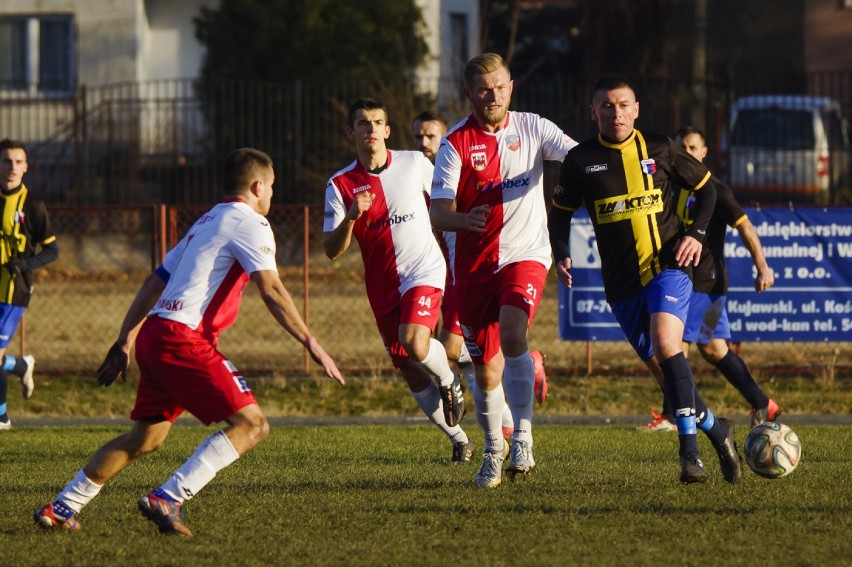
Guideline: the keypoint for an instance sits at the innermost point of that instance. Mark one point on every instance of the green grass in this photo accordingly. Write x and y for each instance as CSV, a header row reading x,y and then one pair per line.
x,y
385,495
387,395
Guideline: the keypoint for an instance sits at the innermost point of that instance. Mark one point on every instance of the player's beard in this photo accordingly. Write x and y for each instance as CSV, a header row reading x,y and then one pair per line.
x,y
497,116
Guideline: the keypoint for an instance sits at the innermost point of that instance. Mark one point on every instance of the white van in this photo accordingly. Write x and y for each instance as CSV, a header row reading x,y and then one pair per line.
x,y
788,148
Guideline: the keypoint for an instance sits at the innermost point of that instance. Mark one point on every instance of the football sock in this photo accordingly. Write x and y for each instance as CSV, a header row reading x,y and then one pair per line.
x,y
429,400
679,390
489,415
519,375
9,362
4,388
508,421
436,363
734,369
4,417
212,455
715,431
78,492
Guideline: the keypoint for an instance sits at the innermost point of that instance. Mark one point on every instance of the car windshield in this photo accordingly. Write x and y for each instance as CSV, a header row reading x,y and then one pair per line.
x,y
774,128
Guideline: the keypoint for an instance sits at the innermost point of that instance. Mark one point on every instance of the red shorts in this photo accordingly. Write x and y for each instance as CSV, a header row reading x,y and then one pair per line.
x,y
181,370
450,310
420,305
520,285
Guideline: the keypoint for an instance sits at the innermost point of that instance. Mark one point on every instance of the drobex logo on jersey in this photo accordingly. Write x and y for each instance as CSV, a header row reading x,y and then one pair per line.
x,y
170,304
485,186
391,220
361,188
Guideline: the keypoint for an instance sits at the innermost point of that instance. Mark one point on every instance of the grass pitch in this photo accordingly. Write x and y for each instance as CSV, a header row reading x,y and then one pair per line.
x,y
386,495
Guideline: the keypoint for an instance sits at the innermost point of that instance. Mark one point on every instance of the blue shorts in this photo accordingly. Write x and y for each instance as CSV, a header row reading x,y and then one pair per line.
x,y
707,319
668,292
10,316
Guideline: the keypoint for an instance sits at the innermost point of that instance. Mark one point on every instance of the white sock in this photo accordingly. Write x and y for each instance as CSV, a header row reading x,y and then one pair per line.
x,y
508,421
429,400
489,414
214,454
436,363
79,492
519,374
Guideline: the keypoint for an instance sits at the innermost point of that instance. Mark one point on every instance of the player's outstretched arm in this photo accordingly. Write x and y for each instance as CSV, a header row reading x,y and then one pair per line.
x,y
118,358
280,304
765,276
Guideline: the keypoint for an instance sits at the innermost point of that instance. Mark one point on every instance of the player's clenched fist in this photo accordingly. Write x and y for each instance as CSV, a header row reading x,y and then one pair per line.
x,y
362,202
114,365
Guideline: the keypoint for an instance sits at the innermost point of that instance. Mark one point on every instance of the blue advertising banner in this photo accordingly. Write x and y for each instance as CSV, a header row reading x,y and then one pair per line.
x,y
809,249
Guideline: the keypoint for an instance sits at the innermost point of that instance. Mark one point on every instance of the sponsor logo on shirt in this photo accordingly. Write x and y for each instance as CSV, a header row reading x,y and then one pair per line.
x,y
424,313
390,221
20,217
266,250
491,185
513,142
205,219
170,304
626,207
361,188
671,298
476,147
596,168
478,161
649,166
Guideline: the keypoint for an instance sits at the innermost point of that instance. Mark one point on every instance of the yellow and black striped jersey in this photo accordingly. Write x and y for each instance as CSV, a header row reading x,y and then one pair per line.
x,y
25,225
627,190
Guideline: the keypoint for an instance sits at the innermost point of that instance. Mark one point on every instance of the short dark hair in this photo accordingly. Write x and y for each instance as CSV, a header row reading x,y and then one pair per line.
x,y
687,130
241,167
8,144
610,82
364,103
430,116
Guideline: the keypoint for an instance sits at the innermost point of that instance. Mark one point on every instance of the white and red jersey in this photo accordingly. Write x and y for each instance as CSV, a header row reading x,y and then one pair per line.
x,y
208,270
395,235
505,170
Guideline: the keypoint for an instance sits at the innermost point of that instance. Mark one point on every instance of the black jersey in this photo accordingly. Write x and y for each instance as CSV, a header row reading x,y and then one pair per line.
x,y
710,276
25,225
627,189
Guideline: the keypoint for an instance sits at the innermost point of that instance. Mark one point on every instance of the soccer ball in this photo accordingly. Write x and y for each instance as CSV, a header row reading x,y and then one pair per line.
x,y
772,450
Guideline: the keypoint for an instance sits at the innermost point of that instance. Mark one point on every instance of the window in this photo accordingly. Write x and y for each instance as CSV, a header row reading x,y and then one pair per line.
x,y
458,39
36,54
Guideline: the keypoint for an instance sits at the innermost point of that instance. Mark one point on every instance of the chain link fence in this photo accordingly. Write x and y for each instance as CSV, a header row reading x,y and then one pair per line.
x,y
105,252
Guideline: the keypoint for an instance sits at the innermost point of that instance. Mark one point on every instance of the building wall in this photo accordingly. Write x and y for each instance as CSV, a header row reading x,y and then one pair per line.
x,y
828,35
170,49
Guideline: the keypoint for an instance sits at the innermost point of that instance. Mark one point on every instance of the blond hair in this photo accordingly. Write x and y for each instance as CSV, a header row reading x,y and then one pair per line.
x,y
482,65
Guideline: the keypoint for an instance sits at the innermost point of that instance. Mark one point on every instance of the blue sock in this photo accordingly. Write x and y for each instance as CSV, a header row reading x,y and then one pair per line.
x,y
159,493
3,417
9,362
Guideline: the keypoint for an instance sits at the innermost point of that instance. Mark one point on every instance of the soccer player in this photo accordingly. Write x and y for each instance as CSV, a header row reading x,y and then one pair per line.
x,y
380,199
488,189
25,228
189,300
707,320
625,179
428,129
